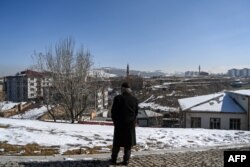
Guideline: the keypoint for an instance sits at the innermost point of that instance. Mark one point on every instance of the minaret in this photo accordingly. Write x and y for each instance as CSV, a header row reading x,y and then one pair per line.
x,y
127,70
199,69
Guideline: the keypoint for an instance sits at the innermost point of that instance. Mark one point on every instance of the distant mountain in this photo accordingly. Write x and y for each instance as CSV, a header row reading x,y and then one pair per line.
x,y
122,72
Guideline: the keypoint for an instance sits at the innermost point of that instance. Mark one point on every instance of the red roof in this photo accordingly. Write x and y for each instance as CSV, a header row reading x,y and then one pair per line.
x,y
31,73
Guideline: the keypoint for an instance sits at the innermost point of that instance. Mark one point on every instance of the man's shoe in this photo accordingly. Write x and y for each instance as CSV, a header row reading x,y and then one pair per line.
x,y
112,161
125,163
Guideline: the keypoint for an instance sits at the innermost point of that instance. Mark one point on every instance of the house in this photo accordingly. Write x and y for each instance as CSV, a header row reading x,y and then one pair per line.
x,y
26,85
225,110
147,118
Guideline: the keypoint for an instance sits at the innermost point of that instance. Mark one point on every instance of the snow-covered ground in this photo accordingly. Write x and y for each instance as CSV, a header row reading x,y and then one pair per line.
x,y
71,136
154,106
32,114
7,105
150,104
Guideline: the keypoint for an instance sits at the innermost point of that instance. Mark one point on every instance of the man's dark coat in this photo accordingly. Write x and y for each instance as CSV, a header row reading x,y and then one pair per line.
x,y
123,113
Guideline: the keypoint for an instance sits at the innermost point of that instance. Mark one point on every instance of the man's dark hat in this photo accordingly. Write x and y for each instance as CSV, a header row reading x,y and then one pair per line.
x,y
125,85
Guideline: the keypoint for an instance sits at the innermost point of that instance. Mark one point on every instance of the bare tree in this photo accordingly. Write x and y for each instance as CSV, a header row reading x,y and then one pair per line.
x,y
67,70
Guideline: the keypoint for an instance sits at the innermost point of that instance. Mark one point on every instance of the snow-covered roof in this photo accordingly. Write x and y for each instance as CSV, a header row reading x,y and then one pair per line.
x,y
190,102
219,102
245,92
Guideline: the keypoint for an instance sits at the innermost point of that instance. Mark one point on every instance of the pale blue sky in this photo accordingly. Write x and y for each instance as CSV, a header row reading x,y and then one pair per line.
x,y
168,35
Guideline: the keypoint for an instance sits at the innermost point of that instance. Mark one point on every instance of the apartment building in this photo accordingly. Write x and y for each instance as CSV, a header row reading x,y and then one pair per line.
x,y
1,84
245,72
26,85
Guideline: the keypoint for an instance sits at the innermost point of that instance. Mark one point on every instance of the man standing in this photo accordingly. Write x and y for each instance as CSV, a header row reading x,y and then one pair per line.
x,y
123,113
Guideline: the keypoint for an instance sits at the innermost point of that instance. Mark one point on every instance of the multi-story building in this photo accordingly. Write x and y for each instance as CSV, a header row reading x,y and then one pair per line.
x,y
196,73
1,84
245,72
232,72
26,85
101,99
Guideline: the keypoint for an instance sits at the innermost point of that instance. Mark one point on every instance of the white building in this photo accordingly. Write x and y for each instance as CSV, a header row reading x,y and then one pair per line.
x,y
191,74
27,85
239,72
232,72
101,99
226,110
244,72
196,73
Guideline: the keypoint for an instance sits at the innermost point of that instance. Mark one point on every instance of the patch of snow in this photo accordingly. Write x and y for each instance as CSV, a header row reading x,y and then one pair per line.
x,y
68,159
167,83
32,114
150,98
7,105
87,159
171,94
101,74
154,106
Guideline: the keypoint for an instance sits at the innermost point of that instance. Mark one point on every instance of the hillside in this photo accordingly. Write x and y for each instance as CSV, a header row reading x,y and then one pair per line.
x,y
167,91
122,72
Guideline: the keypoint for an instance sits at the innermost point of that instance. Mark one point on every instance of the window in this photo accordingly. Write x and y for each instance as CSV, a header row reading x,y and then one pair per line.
x,y
195,122
214,123
32,89
32,84
234,124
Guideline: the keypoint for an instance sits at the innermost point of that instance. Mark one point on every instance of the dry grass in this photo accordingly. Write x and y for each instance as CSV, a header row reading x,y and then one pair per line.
x,y
27,150
4,126
85,150
37,150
